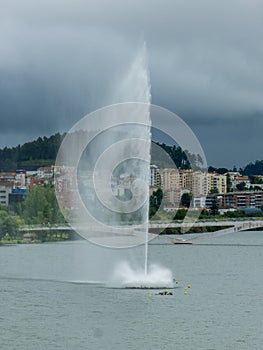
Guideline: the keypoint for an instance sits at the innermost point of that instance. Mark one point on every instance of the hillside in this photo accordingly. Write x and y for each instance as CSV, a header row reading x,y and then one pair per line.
x,y
43,152
31,155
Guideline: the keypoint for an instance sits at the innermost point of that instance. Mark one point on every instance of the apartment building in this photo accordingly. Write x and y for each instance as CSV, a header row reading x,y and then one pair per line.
x,y
248,199
154,176
216,182
199,183
5,190
237,200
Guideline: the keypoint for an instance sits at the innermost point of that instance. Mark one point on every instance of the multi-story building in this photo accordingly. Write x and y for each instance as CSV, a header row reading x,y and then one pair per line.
x,y
17,195
247,199
154,176
173,196
169,179
216,182
7,176
237,200
171,184
45,172
5,189
239,180
186,179
198,183
20,178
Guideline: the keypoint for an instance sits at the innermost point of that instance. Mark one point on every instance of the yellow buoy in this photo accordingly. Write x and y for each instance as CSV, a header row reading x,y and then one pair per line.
x,y
189,285
176,282
185,292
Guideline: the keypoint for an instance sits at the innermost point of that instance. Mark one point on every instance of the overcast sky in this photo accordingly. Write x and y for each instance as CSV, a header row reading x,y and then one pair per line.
x,y
61,59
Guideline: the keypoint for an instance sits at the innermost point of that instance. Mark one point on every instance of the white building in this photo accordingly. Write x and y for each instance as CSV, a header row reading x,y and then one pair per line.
x,y
4,194
154,175
199,202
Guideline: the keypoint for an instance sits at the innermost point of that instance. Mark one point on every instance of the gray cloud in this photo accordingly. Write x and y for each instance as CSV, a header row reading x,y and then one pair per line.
x,y
62,59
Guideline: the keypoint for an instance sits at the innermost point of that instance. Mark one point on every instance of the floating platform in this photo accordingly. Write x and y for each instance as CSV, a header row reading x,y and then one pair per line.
x,y
182,242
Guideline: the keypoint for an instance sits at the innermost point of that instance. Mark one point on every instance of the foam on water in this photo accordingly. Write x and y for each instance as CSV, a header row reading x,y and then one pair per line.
x,y
125,276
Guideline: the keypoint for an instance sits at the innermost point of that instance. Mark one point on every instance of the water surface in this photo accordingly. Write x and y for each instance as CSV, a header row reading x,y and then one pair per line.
x,y
42,309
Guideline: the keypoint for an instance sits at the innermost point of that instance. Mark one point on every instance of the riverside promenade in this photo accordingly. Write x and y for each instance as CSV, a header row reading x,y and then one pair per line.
x,y
224,227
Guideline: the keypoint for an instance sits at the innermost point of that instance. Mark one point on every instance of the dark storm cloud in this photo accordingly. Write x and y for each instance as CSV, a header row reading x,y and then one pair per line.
x,y
61,59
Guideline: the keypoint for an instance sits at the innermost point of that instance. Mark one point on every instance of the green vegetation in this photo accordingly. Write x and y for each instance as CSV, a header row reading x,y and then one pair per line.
x,y
180,214
228,183
255,180
253,168
40,208
182,159
186,200
221,171
178,156
31,155
8,224
43,151
155,202
214,208
241,186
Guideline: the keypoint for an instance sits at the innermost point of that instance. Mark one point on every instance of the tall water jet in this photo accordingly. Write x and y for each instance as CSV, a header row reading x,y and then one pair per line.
x,y
102,174
104,164
136,87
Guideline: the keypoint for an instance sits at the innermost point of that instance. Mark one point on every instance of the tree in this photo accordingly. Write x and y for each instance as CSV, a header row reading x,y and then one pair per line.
x,y
241,186
228,183
8,224
155,202
178,156
254,168
214,190
255,180
40,206
186,200
180,214
221,171
31,155
214,207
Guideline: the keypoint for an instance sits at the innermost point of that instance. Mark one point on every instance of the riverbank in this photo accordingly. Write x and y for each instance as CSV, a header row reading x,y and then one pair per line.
x,y
56,234
202,229
21,240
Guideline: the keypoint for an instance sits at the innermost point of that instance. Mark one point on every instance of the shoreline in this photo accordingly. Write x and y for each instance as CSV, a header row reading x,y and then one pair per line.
x,y
72,236
18,241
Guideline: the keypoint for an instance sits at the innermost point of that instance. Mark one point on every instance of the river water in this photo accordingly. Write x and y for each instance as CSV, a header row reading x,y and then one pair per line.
x,y
46,302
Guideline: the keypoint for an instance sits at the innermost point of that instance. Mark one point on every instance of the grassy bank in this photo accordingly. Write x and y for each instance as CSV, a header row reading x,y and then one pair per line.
x,y
36,239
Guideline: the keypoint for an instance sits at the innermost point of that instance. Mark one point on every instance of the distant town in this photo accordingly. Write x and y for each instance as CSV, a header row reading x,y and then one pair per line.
x,y
231,191
29,179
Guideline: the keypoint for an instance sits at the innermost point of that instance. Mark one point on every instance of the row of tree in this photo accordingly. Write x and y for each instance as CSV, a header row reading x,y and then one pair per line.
x,y
38,152
31,154
8,224
40,207
182,159
253,168
250,169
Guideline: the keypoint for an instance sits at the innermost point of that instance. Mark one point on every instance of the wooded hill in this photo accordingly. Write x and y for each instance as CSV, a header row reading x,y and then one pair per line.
x,y
43,152
31,155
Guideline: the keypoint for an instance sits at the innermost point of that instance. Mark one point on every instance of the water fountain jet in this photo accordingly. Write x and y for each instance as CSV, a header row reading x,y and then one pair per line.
x,y
107,157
